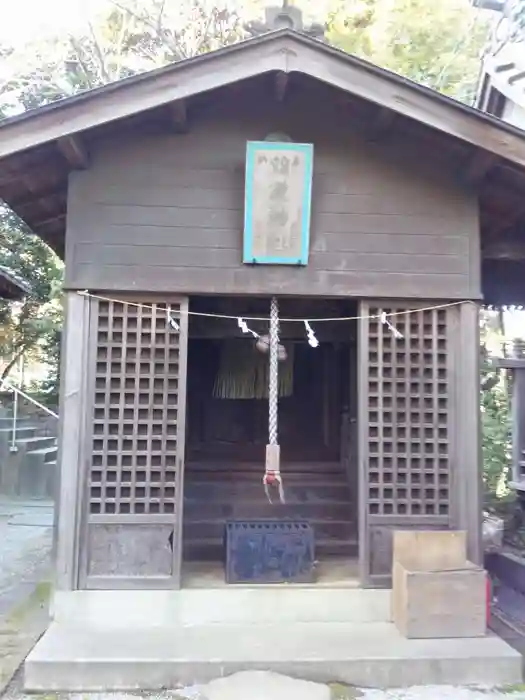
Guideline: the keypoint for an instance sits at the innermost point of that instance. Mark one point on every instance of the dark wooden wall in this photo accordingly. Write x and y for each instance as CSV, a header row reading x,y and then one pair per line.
x,y
164,212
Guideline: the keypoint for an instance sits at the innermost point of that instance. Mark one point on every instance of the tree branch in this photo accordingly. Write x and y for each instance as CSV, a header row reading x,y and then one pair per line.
x,y
100,55
81,62
12,362
157,29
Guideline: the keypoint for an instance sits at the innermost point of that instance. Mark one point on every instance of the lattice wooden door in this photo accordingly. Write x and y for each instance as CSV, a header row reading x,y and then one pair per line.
x,y
406,422
135,445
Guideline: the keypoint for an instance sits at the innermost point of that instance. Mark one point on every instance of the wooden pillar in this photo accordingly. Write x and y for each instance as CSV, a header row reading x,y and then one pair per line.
x,y
518,426
70,438
467,458
517,366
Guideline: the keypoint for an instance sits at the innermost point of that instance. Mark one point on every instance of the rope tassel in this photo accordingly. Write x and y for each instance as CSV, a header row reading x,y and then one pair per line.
x,y
171,321
272,474
395,332
312,340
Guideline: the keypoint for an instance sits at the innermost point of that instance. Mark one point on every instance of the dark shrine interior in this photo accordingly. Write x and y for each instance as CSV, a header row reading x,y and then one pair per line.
x,y
230,421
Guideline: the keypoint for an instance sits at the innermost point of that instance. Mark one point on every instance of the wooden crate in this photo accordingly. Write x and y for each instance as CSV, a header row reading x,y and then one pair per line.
x,y
436,591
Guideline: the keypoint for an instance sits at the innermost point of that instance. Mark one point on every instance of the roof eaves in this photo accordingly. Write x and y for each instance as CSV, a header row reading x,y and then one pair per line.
x,y
32,117
15,280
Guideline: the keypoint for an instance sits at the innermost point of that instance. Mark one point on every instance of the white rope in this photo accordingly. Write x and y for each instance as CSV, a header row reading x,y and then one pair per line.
x,y
273,391
272,475
331,319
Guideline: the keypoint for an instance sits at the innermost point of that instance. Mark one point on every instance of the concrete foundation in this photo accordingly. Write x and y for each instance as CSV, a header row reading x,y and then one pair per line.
x,y
148,640
72,658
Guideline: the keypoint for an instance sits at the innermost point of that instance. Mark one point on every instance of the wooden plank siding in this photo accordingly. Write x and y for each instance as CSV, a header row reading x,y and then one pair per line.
x,y
165,213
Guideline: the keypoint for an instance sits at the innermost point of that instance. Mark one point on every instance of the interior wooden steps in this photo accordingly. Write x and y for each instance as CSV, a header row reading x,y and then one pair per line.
x,y
315,491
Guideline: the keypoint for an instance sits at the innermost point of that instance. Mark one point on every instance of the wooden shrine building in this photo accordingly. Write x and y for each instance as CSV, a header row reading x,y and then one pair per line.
x,y
158,192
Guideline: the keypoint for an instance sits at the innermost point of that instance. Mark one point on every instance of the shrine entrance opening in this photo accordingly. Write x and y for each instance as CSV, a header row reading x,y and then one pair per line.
x,y
227,430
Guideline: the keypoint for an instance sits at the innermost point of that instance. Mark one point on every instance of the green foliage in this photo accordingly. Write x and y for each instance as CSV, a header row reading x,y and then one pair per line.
x,y
495,423
350,28
29,328
126,38
518,17
436,44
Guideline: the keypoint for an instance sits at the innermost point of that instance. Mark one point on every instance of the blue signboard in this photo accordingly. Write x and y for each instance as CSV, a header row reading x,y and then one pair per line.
x,y
278,198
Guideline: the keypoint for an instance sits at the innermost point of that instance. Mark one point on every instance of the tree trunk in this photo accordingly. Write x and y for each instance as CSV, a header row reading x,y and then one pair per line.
x,y
12,362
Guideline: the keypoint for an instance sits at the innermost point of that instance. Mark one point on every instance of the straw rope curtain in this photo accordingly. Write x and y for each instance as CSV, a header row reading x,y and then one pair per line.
x,y
244,372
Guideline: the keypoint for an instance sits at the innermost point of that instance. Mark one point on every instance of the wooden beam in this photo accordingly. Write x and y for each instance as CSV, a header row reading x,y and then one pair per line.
x,y
478,167
43,223
281,85
179,116
55,190
380,125
72,149
506,223
501,249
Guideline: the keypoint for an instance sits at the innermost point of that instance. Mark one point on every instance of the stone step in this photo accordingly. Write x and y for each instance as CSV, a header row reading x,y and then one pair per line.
x,y
35,443
296,492
22,432
89,658
6,422
254,468
255,476
43,454
212,549
328,528
315,508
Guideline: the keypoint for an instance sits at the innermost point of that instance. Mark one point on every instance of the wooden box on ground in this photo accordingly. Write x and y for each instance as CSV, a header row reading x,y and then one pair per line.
x,y
436,591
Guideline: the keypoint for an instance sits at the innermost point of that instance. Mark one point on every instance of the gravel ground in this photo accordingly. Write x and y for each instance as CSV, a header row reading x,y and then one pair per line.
x,y
219,691
442,693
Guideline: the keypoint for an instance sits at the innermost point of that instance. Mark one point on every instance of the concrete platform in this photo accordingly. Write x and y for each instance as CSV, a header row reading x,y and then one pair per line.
x,y
75,657
244,605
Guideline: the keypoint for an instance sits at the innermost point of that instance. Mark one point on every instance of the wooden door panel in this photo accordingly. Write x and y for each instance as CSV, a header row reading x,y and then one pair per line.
x,y
406,423
135,445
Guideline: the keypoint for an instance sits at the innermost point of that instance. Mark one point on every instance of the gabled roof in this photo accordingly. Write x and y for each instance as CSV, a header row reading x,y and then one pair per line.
x,y
12,287
284,51
44,136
